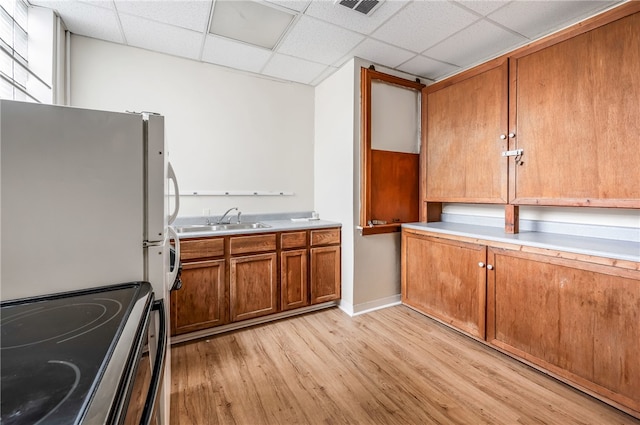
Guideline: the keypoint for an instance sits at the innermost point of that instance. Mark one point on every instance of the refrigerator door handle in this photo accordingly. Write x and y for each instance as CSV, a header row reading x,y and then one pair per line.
x,y
176,269
171,175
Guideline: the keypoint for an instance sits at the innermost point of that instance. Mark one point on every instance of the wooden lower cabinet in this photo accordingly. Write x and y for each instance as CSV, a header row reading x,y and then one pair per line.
x,y
580,321
446,280
244,276
325,274
253,284
201,302
574,316
293,279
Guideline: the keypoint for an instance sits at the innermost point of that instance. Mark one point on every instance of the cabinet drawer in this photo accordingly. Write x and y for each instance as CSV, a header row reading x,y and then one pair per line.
x,y
258,243
201,248
293,240
325,237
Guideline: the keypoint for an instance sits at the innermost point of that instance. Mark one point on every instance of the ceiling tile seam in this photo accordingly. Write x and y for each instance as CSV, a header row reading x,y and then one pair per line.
x,y
206,32
157,22
120,27
337,26
468,9
350,53
451,36
99,4
284,35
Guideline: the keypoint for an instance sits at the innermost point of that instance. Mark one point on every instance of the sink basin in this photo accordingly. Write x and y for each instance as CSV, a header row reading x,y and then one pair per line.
x,y
220,227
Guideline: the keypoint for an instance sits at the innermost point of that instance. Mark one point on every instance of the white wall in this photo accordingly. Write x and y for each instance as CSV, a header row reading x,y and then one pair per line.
x,y
334,157
370,264
227,130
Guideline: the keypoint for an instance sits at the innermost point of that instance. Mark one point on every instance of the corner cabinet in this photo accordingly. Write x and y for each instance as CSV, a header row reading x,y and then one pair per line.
x,y
571,315
230,279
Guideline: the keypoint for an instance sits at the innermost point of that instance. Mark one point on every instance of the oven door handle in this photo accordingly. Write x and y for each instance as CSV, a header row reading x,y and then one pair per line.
x,y
158,365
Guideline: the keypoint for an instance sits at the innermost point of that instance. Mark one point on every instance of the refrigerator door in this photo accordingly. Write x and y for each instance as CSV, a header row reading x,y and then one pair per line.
x,y
72,196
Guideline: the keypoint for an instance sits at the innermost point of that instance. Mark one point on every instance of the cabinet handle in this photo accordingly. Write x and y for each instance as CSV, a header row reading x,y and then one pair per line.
x,y
481,264
489,267
503,136
512,135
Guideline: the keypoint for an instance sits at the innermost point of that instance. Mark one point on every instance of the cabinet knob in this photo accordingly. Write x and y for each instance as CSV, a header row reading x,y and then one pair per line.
x,y
503,136
512,135
481,264
489,267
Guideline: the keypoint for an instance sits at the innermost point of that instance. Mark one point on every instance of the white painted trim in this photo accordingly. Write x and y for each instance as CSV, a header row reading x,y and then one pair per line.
x,y
346,307
378,304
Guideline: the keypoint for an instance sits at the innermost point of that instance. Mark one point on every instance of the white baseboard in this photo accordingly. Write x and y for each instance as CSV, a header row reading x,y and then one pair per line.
x,y
369,306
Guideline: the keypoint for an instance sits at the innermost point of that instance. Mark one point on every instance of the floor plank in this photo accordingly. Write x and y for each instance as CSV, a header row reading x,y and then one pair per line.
x,y
391,366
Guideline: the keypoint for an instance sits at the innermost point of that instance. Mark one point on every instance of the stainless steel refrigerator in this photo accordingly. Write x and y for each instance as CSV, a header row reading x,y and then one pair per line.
x,y
86,201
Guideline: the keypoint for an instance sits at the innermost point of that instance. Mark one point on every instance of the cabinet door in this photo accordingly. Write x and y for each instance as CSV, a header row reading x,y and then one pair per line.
x,y
293,279
464,121
325,274
446,280
201,302
578,320
574,110
253,286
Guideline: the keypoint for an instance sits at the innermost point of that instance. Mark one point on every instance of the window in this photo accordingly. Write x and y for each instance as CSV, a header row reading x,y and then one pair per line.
x,y
17,77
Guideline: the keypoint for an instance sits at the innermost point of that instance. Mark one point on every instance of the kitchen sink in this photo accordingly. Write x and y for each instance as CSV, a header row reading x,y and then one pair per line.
x,y
220,227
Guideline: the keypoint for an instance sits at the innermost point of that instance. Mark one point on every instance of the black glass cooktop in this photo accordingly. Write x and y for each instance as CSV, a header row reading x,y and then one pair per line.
x,y
54,349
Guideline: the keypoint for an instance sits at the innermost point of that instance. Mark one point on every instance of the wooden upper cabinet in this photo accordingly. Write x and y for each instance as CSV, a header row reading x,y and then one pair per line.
x,y
465,117
574,108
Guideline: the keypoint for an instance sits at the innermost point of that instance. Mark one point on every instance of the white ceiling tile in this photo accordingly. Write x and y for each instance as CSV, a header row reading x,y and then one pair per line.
x,y
483,7
230,53
534,18
87,19
481,40
380,53
297,5
318,41
339,15
294,69
188,14
166,38
423,24
427,68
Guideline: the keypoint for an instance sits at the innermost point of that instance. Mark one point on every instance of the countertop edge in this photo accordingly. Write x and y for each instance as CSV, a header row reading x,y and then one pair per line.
x,y
599,247
275,226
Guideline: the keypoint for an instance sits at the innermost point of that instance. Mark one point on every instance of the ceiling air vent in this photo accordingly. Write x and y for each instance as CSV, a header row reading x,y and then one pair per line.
x,y
365,7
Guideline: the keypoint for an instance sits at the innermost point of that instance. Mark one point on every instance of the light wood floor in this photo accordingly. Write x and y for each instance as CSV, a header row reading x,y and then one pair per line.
x,y
391,366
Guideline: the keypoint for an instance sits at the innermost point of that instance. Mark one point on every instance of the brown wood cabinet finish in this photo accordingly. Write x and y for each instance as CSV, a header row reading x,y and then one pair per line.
x,y
574,110
194,249
247,244
465,118
446,280
253,286
325,274
394,170
325,237
580,321
293,240
575,316
201,302
293,279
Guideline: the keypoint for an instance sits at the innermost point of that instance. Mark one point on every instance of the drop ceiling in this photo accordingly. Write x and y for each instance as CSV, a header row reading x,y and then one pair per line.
x,y
427,38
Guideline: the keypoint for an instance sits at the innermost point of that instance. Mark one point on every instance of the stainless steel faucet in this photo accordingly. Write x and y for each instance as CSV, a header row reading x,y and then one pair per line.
x,y
220,220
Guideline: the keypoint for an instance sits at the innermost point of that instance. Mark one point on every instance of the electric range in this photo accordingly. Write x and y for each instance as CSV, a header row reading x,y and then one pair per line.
x,y
68,358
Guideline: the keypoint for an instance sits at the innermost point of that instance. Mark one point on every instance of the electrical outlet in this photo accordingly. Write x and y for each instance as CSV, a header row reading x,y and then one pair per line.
x,y
206,211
